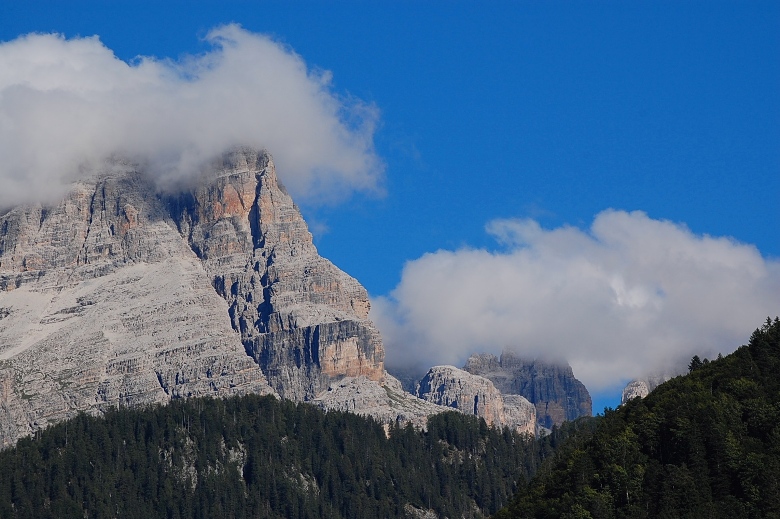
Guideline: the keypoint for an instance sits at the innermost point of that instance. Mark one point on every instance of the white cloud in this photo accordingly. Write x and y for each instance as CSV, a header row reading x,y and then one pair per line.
x,y
630,296
65,103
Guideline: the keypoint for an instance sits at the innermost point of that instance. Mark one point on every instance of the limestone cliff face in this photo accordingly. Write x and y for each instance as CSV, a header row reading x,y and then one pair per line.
x,y
304,321
475,395
552,388
104,305
120,296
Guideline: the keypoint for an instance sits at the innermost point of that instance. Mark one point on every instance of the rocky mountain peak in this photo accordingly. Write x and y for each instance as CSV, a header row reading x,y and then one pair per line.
x,y
641,387
119,295
551,387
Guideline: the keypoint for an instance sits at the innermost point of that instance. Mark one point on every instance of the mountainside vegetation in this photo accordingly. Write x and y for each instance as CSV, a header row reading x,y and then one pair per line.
x,y
706,444
262,457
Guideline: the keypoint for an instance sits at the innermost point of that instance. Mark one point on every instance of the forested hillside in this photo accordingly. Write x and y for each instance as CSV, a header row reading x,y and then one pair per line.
x,y
702,445
261,457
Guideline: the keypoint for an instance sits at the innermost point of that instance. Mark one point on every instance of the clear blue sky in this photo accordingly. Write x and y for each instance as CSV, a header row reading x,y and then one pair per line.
x,y
554,111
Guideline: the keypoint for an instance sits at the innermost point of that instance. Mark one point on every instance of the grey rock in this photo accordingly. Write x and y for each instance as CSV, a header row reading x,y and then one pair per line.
x,y
475,395
385,401
105,305
551,387
412,512
634,389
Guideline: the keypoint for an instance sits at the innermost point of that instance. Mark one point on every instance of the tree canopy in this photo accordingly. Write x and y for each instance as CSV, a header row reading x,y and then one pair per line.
x,y
261,457
702,445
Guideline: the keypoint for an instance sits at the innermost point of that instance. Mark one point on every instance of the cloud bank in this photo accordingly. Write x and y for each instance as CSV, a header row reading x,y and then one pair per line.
x,y
67,103
630,296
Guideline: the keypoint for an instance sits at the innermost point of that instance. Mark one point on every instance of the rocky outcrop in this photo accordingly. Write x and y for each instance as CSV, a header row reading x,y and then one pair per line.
x,y
520,415
303,320
552,388
475,395
640,388
634,389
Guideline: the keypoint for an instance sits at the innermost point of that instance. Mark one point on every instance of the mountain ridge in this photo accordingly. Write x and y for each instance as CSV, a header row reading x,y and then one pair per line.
x,y
120,295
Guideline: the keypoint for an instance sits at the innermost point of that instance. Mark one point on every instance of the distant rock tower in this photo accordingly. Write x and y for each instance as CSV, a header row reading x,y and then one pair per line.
x,y
552,388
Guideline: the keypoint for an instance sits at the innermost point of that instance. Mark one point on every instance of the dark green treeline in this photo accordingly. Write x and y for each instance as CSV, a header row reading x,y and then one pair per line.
x,y
705,445
260,457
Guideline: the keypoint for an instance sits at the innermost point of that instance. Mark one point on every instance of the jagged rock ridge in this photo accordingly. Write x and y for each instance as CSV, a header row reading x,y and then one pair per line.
x,y
552,388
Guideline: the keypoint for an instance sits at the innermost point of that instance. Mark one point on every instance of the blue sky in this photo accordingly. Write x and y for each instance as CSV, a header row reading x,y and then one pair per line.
x,y
548,111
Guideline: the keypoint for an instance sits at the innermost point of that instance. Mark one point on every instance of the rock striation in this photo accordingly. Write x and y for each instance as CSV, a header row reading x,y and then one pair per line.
x,y
552,388
475,395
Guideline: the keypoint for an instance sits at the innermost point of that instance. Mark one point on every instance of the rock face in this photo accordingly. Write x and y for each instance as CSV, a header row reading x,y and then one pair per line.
x,y
634,389
552,388
303,320
475,395
118,296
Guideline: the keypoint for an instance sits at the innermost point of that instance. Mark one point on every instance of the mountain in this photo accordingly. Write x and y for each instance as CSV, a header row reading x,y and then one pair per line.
x,y
304,321
706,444
551,387
119,296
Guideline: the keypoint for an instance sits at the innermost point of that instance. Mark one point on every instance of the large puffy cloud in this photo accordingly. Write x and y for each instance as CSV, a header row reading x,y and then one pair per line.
x,y
630,296
66,104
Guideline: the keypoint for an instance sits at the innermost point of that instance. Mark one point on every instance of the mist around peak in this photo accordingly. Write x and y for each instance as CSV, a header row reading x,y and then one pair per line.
x,y
66,105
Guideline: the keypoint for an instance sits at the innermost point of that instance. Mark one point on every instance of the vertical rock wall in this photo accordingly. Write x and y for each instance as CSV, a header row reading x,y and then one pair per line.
x,y
120,296
552,388
302,319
